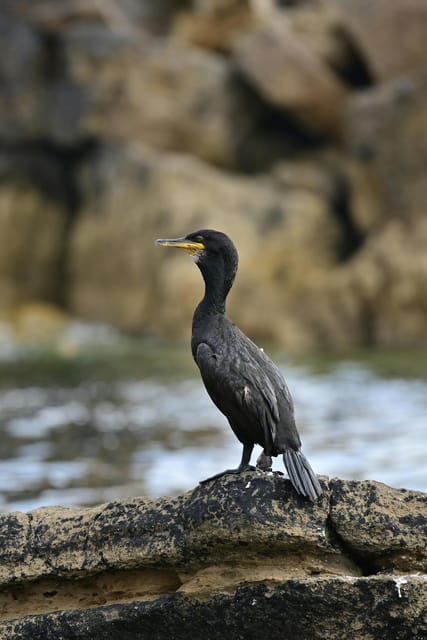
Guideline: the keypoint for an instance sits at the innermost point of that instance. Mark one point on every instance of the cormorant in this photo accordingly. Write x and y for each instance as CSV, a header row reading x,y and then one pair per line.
x,y
240,378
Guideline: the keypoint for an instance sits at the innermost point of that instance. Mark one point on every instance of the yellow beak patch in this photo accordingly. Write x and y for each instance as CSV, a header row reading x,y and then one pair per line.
x,y
189,246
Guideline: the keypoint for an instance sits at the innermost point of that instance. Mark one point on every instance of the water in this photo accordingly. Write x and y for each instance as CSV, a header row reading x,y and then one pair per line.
x,y
79,433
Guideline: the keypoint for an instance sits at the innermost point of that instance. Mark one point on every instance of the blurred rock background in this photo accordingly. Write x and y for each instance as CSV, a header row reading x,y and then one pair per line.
x,y
299,127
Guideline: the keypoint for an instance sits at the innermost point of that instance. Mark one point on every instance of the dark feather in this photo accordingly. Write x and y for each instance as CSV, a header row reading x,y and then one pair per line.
x,y
301,474
247,387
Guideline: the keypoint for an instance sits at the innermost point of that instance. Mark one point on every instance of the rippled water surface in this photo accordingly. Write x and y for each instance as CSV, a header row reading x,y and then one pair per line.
x,y
82,430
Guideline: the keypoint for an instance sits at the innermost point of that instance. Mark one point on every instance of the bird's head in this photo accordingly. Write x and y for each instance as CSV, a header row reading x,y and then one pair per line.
x,y
208,248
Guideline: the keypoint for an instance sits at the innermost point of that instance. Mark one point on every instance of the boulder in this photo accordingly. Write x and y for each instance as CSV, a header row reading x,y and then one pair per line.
x,y
289,75
81,76
377,27
235,557
370,518
380,294
376,298
316,25
164,94
385,129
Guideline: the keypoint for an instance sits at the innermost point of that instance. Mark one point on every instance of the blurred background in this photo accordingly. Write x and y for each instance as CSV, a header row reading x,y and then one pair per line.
x,y
298,127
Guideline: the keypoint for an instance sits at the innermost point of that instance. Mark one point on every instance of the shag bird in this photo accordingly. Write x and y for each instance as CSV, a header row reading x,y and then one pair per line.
x,y
240,378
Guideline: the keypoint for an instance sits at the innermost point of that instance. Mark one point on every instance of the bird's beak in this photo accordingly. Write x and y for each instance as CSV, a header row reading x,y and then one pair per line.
x,y
190,246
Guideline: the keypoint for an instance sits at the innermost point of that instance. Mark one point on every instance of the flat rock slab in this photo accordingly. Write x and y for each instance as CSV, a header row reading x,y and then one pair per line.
x,y
377,608
238,557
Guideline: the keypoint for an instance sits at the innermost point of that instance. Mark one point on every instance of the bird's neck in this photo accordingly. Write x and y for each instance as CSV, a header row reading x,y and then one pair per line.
x,y
217,287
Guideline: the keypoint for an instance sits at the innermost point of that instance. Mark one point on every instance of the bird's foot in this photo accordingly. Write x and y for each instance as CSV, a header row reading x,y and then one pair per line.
x,y
264,469
239,469
264,463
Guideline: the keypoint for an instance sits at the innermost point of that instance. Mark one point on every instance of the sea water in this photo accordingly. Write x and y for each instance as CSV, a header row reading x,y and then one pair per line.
x,y
83,437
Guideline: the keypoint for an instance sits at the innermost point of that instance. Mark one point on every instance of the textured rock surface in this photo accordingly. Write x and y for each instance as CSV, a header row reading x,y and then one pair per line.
x,y
238,556
319,608
384,527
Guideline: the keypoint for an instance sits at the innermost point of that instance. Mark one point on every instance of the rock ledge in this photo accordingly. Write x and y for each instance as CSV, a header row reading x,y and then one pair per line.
x,y
237,558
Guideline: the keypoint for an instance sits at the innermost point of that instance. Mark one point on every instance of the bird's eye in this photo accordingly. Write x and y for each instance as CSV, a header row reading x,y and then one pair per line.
x,y
198,238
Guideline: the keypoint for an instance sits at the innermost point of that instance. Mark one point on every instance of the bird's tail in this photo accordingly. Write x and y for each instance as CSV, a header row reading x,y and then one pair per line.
x,y
301,474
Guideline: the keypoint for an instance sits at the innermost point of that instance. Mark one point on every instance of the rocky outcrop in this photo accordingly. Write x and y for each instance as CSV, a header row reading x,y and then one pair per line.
x,y
376,28
199,108
236,557
299,128
289,75
385,126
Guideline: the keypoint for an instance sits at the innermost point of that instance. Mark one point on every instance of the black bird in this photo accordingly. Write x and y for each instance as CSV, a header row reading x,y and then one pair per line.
x,y
240,378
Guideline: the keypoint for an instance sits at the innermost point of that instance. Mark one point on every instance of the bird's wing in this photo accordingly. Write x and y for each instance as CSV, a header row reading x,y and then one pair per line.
x,y
259,396
246,381
267,395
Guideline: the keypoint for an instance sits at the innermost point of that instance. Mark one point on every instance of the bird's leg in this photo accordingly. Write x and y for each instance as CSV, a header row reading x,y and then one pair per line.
x,y
264,462
243,466
246,457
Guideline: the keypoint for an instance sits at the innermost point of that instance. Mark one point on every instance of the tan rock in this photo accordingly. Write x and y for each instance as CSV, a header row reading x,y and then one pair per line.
x,y
377,297
164,94
214,25
289,75
366,204
38,322
316,24
386,127
31,241
370,517
389,278
392,36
